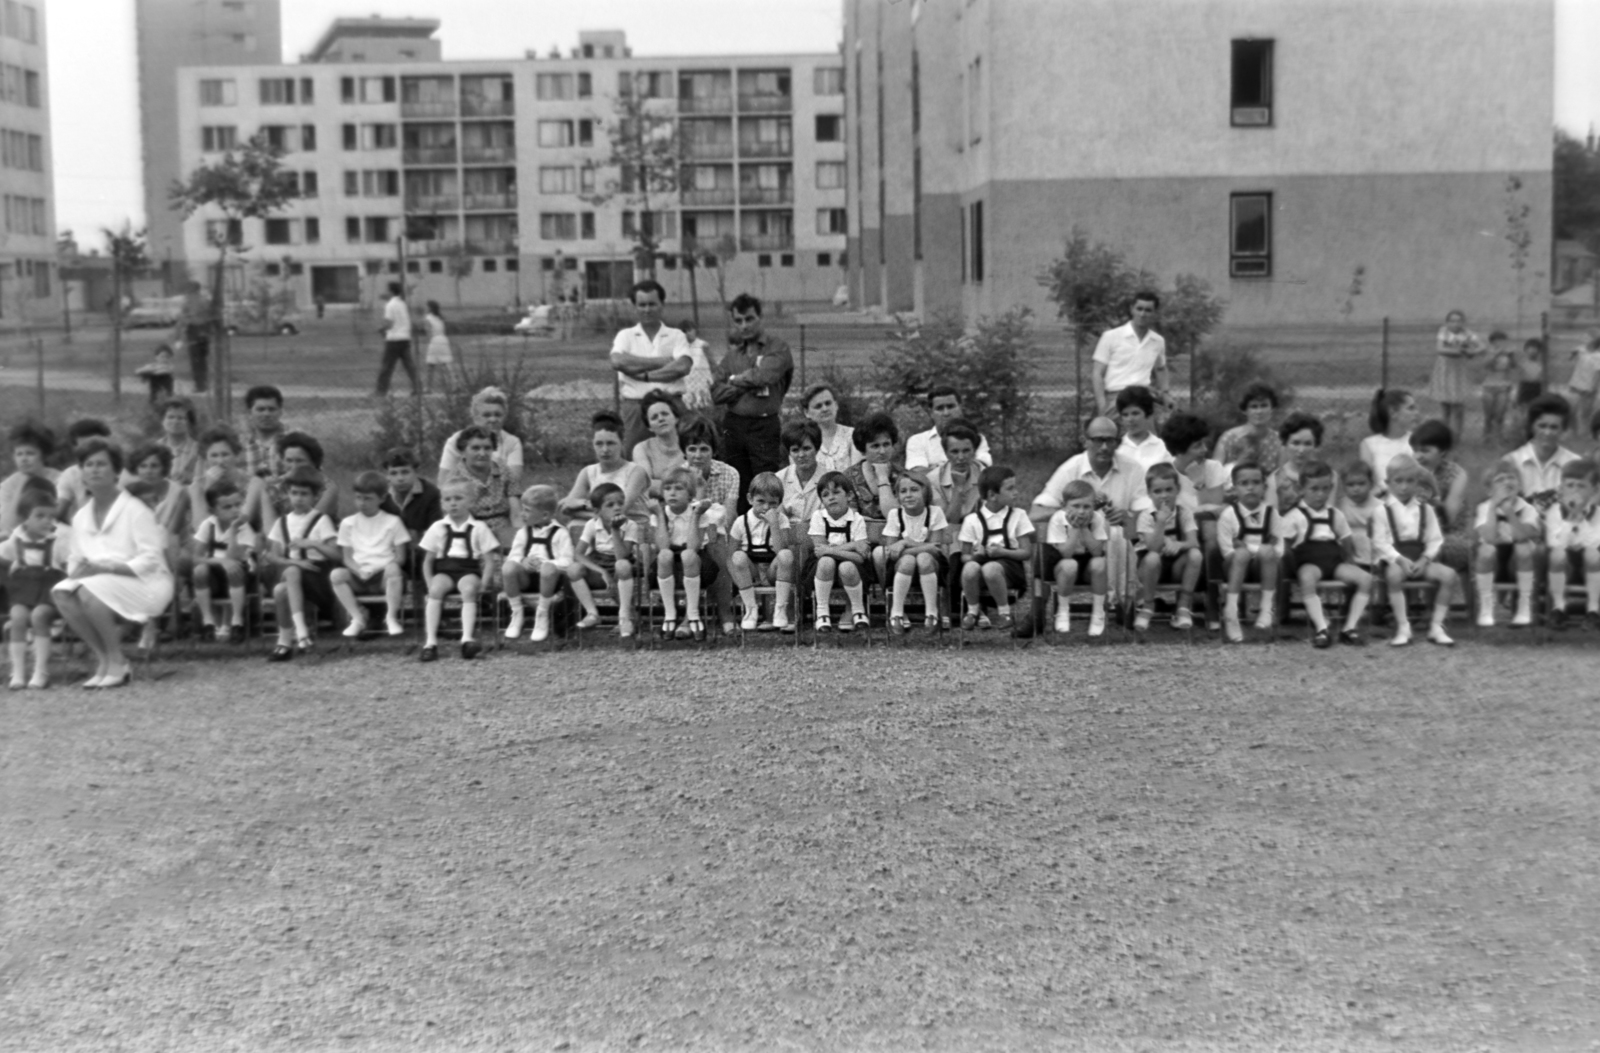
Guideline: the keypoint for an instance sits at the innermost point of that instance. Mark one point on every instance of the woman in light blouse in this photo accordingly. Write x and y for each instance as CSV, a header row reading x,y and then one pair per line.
x,y
838,451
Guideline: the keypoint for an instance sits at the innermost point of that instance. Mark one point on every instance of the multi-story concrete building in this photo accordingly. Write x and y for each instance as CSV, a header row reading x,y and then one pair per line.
x,y
28,237
173,34
1270,148
492,176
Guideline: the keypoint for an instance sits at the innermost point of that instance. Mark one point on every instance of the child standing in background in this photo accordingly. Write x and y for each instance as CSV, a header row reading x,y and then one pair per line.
x,y
1499,378
157,374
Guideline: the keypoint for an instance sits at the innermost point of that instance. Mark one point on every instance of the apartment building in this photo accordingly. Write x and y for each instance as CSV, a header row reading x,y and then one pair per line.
x,y
491,177
1269,147
27,197
173,34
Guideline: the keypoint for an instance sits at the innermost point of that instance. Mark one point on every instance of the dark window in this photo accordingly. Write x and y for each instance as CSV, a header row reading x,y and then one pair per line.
x,y
586,225
278,232
511,264
352,228
313,230
829,128
308,184
786,260
308,137
296,269
1252,84
764,260
436,266
977,242
374,267
824,259
585,86
272,270
351,136
586,132
491,265
413,267
1250,253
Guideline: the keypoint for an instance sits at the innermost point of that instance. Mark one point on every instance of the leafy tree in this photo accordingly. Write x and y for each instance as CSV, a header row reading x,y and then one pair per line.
x,y
247,183
1519,236
1576,175
647,158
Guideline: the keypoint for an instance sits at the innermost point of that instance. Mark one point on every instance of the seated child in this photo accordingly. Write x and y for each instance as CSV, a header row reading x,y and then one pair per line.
x,y
839,549
1363,512
683,527
157,374
1410,548
1077,534
608,550
1167,547
1249,537
996,544
223,561
1572,532
36,553
301,548
30,445
1508,530
414,499
458,556
540,554
763,552
1323,548
373,543
914,540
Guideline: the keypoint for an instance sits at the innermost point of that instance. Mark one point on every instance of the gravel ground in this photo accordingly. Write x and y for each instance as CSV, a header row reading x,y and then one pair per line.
x,y
1113,848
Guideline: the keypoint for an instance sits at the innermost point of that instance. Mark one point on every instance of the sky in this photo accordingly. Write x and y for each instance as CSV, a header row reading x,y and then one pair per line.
x,y
96,118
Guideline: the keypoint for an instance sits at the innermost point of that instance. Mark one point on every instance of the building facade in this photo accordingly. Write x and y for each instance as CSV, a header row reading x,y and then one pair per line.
x,y
1268,147
173,34
492,177
28,237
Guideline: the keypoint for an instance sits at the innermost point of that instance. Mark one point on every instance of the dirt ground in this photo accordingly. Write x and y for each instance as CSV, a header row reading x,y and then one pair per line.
x,y
1107,848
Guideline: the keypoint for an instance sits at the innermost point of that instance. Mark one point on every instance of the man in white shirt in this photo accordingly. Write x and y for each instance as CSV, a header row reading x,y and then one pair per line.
x,y
925,449
1131,354
1116,477
397,341
647,356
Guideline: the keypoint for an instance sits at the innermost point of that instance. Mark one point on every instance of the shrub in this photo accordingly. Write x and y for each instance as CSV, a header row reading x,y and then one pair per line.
x,y
424,424
1220,375
853,405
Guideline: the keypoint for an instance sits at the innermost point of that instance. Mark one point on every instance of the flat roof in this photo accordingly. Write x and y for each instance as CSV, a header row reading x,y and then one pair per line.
x,y
367,28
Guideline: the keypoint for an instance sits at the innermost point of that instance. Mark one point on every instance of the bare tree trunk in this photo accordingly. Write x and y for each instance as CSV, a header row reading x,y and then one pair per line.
x,y
116,324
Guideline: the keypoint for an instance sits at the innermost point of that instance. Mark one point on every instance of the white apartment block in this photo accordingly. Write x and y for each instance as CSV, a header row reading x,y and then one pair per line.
x,y
489,174
27,196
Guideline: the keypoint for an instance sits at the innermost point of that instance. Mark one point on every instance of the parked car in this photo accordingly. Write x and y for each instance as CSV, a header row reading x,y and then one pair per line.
x,y
243,316
157,312
537,322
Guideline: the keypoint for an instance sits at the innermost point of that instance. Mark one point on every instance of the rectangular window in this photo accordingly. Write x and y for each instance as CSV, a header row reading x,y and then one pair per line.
x,y
352,184
1252,84
383,182
585,132
764,260
277,137
586,226
824,259
215,138
555,133
827,80
308,138
585,86
218,93
377,229
1250,249
786,260
308,184
977,242
313,230
366,89
436,266
307,96
558,226
378,137
553,86
30,89
557,180
278,232
830,175
586,180
276,91
511,264
352,229
350,136
831,221
830,128
224,231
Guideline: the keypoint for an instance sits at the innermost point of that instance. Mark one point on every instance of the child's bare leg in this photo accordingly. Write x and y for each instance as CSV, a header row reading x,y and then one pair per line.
x,y
513,582
666,566
42,616
1310,577
1269,586
625,597
827,567
1591,579
235,572
1522,556
783,572
743,575
1351,574
1189,566
297,602
928,576
850,578
344,591
280,607
202,592
470,587
1396,578
17,640
1238,567
994,578
578,579
550,577
1483,567
691,585
394,583
433,610
1149,579
1099,582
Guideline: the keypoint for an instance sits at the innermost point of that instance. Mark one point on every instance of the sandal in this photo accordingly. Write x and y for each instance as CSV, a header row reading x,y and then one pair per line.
x,y
669,628
898,625
861,621
304,645
281,653
824,624
696,629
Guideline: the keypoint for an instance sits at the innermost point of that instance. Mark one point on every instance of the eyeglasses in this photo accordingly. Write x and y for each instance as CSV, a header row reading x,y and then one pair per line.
x,y
1102,438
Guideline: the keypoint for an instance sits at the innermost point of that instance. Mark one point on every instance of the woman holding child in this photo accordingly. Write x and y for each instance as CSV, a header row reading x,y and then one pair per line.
x,y
495,500
489,410
609,467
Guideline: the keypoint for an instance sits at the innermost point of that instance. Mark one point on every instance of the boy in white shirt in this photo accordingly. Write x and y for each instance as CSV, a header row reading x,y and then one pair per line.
x,y
224,559
608,550
762,550
1248,533
1572,532
1167,545
458,555
1077,534
1411,548
541,552
373,544
840,550
301,548
996,544
683,528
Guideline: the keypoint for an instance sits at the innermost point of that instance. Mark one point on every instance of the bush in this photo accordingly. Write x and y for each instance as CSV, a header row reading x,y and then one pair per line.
x,y
991,368
1220,375
424,424
846,391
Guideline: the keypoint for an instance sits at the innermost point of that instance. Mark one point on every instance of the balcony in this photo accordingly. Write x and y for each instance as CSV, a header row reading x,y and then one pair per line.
x,y
490,155
432,108
432,247
766,103
432,202
428,155
766,195
492,246
713,151
721,195
506,199
705,104
471,107
765,242
760,148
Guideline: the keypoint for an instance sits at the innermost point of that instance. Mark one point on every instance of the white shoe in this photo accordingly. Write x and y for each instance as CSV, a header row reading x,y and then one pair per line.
x,y
751,619
625,628
541,626
1231,628
1063,620
1264,619
356,627
1141,619
394,628
1402,637
1097,623
1184,619
1486,616
514,626
1523,617
1436,634
780,620
589,621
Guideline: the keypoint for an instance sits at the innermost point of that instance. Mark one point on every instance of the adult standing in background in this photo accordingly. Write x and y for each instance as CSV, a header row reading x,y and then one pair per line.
x,y
1131,354
751,381
194,329
647,356
397,341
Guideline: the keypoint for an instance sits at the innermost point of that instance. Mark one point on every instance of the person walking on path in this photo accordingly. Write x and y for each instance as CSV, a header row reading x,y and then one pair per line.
x,y
1131,354
397,341
751,381
647,357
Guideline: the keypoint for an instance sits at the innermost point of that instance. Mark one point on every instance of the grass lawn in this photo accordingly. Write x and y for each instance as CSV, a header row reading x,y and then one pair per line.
x,y
1091,848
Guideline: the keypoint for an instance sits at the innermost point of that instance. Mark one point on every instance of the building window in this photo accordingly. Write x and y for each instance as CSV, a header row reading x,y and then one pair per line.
x,y
557,179
976,240
832,221
436,266
307,96
277,137
224,232
373,267
1250,250
366,89
349,136
1252,84
413,267
764,260
383,182
308,184
313,230
830,128
553,86
511,264
585,132
215,138
296,269
824,259
585,86
278,232
275,91
352,229
218,93
378,137
830,175
377,229
491,265
555,133
558,226
827,80
586,226
786,260
308,138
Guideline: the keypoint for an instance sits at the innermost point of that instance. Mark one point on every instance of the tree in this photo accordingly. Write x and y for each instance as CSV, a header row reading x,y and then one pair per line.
x,y
247,183
130,254
1576,198
647,157
1519,235
724,251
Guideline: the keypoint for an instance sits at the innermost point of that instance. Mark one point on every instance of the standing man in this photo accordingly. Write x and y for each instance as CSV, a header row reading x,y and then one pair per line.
x,y
925,449
751,381
194,329
1132,354
397,341
647,356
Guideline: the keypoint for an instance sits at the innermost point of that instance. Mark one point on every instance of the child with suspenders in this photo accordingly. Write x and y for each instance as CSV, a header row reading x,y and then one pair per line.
x,y
1414,540
1509,530
914,537
839,550
763,551
1249,536
301,548
224,559
608,550
1167,545
1572,533
1077,534
541,552
684,526
36,555
458,555
996,544
1323,549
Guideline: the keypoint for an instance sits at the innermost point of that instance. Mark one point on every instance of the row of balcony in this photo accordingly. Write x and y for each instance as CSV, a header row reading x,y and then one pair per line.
x,y
747,195
686,104
466,108
450,202
509,246
723,151
447,155
724,103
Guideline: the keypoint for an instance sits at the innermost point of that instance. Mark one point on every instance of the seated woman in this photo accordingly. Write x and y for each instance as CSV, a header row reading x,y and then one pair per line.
x,y
661,452
874,478
118,571
838,450
1254,440
178,427
295,449
489,410
609,467
493,499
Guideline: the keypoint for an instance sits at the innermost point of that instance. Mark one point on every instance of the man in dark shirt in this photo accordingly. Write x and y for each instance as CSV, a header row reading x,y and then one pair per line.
x,y
413,499
750,382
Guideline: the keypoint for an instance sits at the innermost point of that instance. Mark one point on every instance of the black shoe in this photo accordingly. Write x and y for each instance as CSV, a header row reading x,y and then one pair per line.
x,y
470,649
1322,641
236,634
1352,638
1591,620
1557,619
281,653
429,653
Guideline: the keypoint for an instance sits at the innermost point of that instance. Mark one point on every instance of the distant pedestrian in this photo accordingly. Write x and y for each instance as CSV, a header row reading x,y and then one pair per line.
x,y
439,356
322,305
397,341
157,374
194,329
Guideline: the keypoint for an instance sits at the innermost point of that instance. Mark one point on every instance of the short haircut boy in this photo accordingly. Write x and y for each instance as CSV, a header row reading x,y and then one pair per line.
x,y
764,485
1077,490
1582,469
220,489
543,497
1315,470
401,457
1247,466
1155,472
599,494
1404,466
679,475
835,480
1503,469
372,483
921,481
32,499
959,429
1359,470
1137,396
990,480
797,433
456,486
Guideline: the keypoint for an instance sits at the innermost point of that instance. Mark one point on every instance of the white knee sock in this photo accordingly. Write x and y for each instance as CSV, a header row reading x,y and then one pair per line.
x,y
854,593
469,619
1485,587
824,596
432,611
902,586
691,598
930,592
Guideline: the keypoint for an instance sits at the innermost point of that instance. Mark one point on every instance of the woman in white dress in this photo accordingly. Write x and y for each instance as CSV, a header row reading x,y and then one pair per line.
x,y
609,467
838,450
118,571
439,356
1393,415
489,409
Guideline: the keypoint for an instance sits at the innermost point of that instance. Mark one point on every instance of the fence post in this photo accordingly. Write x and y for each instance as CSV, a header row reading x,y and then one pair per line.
x,y
616,394
1383,380
802,357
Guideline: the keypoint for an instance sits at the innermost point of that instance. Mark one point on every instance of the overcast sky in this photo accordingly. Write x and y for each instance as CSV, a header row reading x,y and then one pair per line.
x,y
94,78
